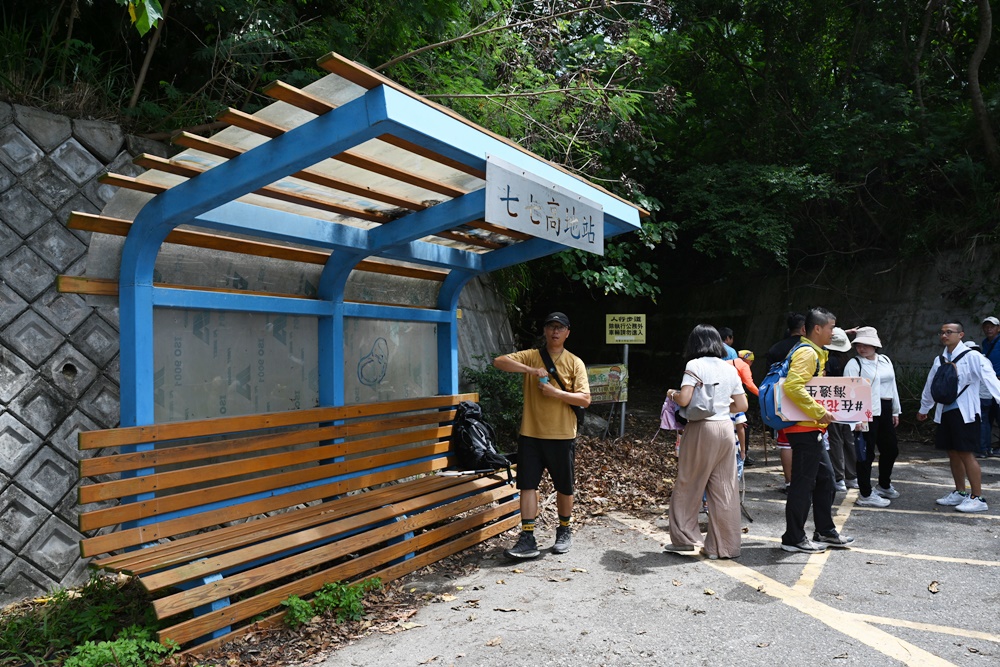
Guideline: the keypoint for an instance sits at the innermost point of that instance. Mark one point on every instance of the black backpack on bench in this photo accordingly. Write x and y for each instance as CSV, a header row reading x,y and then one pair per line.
x,y
474,441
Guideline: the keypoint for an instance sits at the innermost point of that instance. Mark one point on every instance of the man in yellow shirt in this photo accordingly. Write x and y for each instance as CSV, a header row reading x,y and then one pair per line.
x,y
812,473
548,430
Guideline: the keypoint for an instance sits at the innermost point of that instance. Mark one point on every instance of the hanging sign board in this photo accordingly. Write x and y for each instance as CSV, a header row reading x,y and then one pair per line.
x,y
848,399
608,384
625,329
519,200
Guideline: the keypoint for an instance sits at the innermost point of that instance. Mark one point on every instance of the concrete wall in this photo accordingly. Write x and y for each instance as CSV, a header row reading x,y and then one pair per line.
x,y
59,352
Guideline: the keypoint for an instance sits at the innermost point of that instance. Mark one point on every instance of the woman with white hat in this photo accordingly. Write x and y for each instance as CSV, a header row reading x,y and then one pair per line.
x,y
878,369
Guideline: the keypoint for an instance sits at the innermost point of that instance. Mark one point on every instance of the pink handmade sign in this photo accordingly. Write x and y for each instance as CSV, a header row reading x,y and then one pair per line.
x,y
848,399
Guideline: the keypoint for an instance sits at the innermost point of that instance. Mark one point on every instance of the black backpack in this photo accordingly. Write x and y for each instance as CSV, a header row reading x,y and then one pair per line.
x,y
474,441
944,386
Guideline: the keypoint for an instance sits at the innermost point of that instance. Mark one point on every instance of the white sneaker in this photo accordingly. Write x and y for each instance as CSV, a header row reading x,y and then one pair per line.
x,y
953,499
841,486
971,504
874,500
852,483
891,492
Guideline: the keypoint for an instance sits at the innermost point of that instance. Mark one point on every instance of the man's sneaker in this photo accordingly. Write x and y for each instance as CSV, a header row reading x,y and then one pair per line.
x,y
852,483
747,462
873,500
841,486
971,504
891,492
995,451
564,540
526,547
805,546
953,499
835,541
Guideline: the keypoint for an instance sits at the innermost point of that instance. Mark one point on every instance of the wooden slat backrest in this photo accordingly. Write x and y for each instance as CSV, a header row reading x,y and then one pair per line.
x,y
138,435
215,472
231,490
153,532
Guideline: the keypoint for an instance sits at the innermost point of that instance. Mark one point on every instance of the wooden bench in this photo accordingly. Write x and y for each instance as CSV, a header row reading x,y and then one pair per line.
x,y
236,514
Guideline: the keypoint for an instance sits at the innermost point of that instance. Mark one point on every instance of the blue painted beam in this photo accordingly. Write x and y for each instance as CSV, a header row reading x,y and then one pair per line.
x,y
166,297
444,216
398,313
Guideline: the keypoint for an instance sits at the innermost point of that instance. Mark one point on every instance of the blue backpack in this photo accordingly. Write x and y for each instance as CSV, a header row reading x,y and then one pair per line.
x,y
769,387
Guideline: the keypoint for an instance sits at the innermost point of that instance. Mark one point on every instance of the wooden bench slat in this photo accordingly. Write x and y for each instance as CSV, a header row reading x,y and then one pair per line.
x,y
153,532
386,575
213,472
136,435
300,562
201,545
144,509
250,607
105,465
331,527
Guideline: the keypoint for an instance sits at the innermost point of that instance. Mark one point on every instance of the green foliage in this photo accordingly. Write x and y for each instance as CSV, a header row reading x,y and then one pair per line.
x,y
104,610
134,647
144,13
344,602
501,396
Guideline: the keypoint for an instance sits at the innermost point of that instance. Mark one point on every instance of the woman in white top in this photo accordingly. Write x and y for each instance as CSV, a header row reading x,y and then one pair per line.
x,y
706,462
881,434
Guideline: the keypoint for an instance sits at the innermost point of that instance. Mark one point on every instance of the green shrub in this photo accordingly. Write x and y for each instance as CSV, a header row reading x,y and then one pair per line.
x,y
134,647
48,631
501,396
345,602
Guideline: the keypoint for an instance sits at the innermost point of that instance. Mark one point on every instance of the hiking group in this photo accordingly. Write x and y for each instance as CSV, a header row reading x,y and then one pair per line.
x,y
820,455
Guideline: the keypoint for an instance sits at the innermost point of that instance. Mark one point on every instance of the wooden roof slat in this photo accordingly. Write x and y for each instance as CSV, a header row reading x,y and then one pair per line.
x,y
117,227
213,147
471,240
270,191
129,183
280,90
252,124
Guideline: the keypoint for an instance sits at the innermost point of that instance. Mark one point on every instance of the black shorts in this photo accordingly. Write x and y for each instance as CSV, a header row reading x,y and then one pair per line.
x,y
536,454
954,434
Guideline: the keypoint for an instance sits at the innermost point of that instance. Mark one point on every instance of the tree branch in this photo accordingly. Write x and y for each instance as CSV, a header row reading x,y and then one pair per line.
x,y
470,35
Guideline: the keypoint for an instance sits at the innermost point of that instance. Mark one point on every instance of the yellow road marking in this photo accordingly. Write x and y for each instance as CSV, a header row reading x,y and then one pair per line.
x,y
927,627
814,566
891,554
848,623
842,621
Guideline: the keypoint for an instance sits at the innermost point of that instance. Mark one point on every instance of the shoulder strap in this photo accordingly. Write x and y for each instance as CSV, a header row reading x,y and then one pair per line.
x,y
550,366
800,345
955,360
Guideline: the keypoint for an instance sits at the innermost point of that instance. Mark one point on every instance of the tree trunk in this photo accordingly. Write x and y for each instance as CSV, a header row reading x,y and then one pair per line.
x,y
153,41
978,105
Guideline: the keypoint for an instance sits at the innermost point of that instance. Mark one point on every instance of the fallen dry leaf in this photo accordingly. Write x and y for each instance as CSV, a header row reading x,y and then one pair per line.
x,y
496,641
763,644
429,660
578,569
504,609
448,597
676,583
501,581
709,591
517,571
934,587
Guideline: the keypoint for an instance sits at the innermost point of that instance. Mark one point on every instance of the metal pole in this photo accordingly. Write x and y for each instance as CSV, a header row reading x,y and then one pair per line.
x,y
621,430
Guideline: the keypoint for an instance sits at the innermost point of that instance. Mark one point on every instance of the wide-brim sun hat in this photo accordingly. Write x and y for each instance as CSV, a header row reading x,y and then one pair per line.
x,y
839,342
867,336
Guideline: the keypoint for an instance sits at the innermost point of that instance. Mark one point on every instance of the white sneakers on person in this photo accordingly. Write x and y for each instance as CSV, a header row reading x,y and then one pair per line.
x,y
953,499
840,486
891,492
852,483
972,504
873,500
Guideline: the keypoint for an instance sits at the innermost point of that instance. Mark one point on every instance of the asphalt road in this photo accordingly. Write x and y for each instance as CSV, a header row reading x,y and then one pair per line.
x,y
921,587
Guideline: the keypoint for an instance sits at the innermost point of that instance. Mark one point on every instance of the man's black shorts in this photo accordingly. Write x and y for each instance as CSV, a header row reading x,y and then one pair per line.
x,y
953,433
535,455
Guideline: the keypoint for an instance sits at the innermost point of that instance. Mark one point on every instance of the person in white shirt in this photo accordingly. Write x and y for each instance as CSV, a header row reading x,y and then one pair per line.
x,y
959,422
878,369
706,462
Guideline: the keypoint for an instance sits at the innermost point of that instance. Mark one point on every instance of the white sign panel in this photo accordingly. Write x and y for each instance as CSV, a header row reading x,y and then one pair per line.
x,y
519,200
